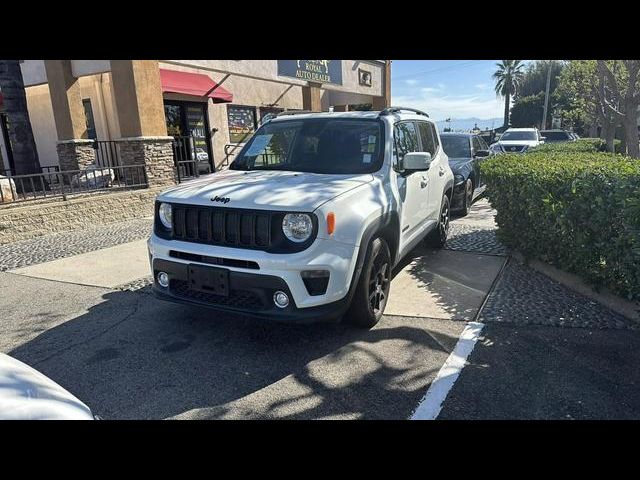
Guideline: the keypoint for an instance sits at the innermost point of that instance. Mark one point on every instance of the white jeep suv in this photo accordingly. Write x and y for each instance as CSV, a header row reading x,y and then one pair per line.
x,y
309,220
517,140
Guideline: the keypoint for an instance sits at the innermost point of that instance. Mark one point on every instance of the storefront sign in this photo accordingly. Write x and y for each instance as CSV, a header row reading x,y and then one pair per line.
x,y
320,71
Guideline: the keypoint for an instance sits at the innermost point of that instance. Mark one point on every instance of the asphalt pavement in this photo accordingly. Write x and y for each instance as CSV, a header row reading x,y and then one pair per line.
x,y
544,352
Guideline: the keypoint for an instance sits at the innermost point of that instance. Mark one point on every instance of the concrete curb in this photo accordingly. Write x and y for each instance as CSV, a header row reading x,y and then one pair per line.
x,y
626,308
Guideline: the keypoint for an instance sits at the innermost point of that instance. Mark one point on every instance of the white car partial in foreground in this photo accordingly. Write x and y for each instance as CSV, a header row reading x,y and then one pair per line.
x,y
517,140
26,394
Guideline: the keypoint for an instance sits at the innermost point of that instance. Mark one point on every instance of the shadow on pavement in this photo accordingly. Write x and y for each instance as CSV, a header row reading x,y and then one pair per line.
x,y
132,356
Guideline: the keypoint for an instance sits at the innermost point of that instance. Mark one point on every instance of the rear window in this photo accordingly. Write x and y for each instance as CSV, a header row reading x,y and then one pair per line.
x,y
456,147
555,136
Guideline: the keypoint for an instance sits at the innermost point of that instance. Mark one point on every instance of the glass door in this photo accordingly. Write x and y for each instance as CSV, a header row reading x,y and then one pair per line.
x,y
188,124
197,126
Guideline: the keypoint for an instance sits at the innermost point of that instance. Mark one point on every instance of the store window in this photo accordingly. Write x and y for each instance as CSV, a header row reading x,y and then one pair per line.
x,y
242,122
267,113
88,115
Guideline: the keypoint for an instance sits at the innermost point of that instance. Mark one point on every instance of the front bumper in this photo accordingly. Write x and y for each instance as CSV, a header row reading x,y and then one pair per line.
x,y
249,294
269,272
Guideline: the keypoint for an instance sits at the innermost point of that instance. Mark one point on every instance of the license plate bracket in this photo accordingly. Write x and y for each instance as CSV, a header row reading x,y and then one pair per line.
x,y
211,280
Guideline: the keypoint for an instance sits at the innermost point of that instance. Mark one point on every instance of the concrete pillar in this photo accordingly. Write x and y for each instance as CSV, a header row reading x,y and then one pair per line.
x,y
75,150
138,98
311,97
380,103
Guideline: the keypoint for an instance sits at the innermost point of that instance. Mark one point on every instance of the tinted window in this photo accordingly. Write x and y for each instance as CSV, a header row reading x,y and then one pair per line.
x,y
405,139
476,144
456,146
555,136
428,137
315,145
531,135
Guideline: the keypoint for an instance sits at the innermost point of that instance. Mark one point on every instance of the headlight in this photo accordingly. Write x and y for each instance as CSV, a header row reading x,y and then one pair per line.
x,y
164,212
297,227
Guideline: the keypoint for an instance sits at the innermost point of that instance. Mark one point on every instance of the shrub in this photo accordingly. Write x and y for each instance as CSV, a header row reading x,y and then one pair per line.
x,y
577,210
581,145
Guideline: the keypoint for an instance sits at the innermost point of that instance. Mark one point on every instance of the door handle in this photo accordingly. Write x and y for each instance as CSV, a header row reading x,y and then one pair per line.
x,y
424,182
441,171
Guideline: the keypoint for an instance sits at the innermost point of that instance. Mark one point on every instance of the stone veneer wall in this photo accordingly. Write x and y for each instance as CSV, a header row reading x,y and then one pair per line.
x,y
75,154
33,219
155,153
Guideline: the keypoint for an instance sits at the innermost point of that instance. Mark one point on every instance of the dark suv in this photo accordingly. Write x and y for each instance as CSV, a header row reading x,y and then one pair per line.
x,y
465,152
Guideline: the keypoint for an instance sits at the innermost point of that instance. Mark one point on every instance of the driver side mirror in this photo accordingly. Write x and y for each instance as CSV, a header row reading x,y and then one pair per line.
x,y
482,153
417,161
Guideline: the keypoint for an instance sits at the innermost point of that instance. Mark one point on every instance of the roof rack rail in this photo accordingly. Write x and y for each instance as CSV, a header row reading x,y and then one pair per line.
x,y
294,112
392,110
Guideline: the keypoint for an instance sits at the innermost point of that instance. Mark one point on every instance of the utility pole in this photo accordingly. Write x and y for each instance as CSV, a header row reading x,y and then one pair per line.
x,y
546,98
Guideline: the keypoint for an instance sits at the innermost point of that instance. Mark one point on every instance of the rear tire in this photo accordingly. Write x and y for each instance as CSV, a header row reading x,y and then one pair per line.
x,y
372,292
438,236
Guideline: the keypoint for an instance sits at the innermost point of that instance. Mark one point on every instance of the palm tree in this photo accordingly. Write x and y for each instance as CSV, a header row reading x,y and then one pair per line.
x,y
23,146
508,77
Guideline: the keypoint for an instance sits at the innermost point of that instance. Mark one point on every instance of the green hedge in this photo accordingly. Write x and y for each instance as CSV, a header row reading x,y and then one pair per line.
x,y
581,145
579,211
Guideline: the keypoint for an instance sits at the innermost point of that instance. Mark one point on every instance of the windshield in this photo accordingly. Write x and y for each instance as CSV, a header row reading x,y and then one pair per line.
x,y
319,145
555,136
519,136
456,147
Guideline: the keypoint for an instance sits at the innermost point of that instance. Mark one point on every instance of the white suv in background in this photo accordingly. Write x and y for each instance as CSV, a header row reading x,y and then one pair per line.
x,y
309,220
517,140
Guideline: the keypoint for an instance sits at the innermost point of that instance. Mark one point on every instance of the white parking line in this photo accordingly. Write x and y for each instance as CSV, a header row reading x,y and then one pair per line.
x,y
431,404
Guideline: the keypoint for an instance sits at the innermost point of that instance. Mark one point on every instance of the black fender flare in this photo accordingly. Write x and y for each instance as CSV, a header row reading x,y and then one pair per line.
x,y
377,226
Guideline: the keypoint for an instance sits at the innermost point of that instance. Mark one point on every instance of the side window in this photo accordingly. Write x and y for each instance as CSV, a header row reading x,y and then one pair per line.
x,y
429,138
405,140
436,142
476,144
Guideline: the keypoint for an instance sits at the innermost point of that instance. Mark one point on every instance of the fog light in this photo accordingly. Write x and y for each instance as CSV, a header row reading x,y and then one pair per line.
x,y
281,299
163,279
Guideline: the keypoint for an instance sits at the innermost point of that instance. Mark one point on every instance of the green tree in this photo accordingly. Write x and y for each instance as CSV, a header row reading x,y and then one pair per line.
x,y
619,94
578,99
527,111
508,77
534,79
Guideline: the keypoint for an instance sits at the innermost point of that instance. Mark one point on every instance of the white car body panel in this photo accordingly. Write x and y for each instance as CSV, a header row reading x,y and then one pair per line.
x,y
26,394
266,190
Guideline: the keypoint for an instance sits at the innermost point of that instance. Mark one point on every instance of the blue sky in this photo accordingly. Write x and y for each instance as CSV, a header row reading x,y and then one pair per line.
x,y
446,88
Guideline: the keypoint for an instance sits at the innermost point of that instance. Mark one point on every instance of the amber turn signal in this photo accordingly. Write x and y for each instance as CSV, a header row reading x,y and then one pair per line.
x,y
331,223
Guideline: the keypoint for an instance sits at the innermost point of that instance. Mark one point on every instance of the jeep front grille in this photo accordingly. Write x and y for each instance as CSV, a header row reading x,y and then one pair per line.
x,y
222,226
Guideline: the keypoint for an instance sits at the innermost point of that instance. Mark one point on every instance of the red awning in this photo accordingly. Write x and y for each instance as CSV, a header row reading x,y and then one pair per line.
x,y
193,84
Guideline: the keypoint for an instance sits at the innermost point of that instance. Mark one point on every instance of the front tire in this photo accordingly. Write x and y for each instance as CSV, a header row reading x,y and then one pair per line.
x,y
372,291
468,197
438,237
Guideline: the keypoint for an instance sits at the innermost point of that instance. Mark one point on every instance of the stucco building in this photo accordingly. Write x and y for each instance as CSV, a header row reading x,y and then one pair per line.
x,y
154,111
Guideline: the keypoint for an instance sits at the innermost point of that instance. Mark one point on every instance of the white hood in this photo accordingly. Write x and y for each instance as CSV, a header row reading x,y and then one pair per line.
x,y
26,394
265,190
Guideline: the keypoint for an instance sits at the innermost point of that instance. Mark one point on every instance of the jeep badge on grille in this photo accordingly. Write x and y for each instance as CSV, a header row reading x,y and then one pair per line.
x,y
221,199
